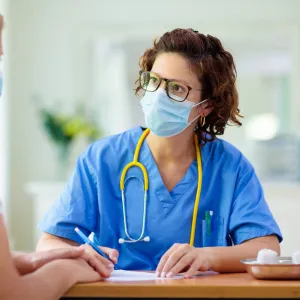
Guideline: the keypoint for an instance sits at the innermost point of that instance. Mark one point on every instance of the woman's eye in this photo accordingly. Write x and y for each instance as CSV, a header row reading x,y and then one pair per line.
x,y
177,88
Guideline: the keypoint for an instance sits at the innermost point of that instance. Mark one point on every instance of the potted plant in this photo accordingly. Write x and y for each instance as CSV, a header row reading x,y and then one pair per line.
x,y
64,128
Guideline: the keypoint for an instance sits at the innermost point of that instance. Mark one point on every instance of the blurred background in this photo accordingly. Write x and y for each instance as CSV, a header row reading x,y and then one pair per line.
x,y
69,72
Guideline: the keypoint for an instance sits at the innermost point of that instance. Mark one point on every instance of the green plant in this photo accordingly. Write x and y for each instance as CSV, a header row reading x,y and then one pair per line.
x,y
64,128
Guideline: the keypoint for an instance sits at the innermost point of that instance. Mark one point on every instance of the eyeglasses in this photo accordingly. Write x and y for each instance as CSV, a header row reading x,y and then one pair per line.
x,y
176,90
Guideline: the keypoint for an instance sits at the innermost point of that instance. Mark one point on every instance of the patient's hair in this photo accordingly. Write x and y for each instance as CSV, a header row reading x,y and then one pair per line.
x,y
215,69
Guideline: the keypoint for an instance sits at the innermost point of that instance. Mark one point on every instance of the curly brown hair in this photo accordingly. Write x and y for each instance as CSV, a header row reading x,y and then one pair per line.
x,y
215,69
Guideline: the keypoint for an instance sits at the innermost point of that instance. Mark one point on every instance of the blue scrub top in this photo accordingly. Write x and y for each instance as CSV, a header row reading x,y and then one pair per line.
x,y
92,201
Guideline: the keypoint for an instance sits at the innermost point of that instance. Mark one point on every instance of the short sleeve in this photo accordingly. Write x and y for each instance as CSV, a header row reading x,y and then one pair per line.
x,y
250,215
77,206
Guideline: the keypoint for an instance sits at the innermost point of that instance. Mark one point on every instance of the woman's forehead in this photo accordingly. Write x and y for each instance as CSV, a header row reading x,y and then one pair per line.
x,y
175,66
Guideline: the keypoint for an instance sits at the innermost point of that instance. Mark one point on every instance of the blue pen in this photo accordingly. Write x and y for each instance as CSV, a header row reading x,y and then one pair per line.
x,y
98,243
89,242
96,240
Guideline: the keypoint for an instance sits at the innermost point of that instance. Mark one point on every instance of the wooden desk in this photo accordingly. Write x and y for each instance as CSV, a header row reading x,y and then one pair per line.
x,y
213,286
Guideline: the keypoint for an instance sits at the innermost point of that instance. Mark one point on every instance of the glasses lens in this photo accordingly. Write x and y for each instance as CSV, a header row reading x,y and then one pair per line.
x,y
149,81
177,91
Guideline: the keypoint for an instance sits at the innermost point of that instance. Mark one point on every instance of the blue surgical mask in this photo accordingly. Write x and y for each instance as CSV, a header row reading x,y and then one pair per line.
x,y
164,116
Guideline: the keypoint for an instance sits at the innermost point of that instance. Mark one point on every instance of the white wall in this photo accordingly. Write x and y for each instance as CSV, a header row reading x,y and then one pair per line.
x,y
48,53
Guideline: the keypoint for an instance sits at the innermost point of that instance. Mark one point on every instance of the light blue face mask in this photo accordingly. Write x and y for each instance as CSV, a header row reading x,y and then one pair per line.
x,y
164,116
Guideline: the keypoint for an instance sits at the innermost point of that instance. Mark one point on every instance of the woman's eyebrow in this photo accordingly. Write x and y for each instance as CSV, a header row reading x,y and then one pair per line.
x,y
172,79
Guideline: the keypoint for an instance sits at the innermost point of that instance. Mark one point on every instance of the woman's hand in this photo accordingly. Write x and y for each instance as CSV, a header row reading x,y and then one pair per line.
x,y
183,257
100,264
80,271
30,262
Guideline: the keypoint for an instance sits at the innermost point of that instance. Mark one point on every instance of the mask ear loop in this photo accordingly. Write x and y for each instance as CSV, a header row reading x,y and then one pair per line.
x,y
199,115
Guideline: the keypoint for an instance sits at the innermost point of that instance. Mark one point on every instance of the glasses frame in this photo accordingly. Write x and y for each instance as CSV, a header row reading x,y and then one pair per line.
x,y
167,85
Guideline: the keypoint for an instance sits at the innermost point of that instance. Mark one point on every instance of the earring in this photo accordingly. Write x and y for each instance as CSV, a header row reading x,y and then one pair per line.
x,y
202,121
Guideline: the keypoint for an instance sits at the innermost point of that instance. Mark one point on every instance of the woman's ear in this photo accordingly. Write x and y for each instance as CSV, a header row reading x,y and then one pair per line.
x,y
206,108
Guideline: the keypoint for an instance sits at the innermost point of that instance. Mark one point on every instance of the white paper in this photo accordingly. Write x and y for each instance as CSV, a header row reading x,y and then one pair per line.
x,y
122,275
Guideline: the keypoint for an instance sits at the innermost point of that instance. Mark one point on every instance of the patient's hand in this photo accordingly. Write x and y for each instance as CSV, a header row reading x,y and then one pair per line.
x,y
29,262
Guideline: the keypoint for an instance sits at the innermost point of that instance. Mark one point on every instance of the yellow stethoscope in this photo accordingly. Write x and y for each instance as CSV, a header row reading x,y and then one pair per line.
x,y
136,163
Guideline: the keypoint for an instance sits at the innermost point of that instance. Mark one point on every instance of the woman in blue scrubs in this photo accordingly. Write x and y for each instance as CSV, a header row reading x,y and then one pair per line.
x,y
172,197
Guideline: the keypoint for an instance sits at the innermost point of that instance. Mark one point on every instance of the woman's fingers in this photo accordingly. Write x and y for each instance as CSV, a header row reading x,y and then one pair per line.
x,y
174,258
198,265
97,261
113,254
97,265
183,258
176,266
164,259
